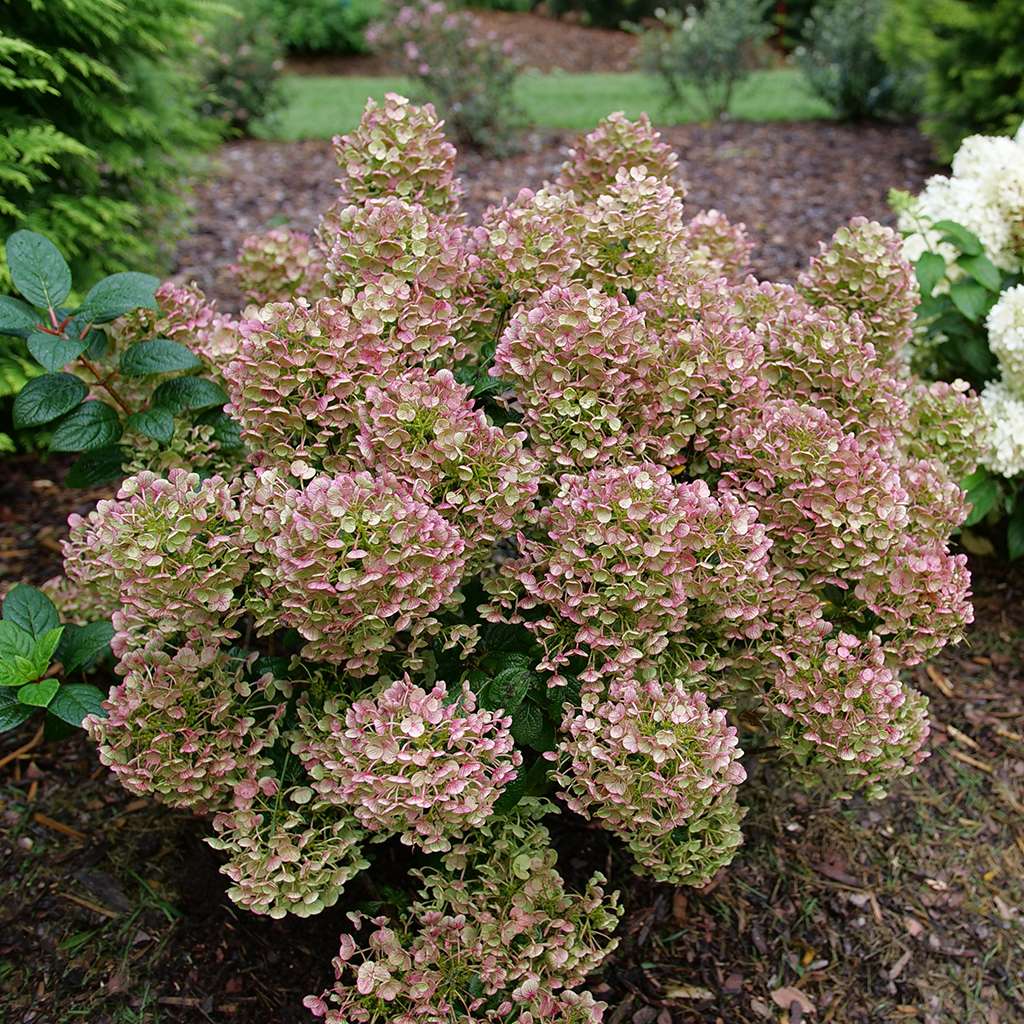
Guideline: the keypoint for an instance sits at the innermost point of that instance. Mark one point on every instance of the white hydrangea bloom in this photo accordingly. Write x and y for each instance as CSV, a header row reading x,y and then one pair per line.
x,y
1006,336
985,194
1004,413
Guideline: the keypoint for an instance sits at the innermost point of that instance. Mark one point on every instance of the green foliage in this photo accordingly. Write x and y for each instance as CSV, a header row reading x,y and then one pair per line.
x,y
98,122
710,50
319,26
42,661
91,395
967,57
841,61
242,67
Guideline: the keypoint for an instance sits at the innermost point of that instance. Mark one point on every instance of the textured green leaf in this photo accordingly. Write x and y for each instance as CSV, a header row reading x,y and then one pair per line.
x,y
158,356
81,646
37,269
39,694
43,650
956,234
54,352
15,648
1015,531
156,423
189,393
16,317
30,609
983,270
930,270
982,498
12,711
92,425
74,701
100,466
119,294
972,299
45,398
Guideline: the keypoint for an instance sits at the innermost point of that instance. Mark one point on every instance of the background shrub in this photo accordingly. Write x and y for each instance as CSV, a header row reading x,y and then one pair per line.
x,y
468,73
320,26
968,59
709,50
840,58
606,13
98,121
242,68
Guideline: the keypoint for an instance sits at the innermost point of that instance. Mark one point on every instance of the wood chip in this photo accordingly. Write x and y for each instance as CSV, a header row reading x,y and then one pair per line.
x,y
897,968
974,762
89,905
939,680
58,826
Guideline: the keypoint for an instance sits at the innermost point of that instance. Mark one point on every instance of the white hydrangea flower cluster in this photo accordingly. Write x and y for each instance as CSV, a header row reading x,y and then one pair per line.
x,y
985,193
1004,411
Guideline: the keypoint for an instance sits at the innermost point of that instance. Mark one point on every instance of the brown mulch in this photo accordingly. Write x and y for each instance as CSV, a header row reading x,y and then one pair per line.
x,y
538,42
792,184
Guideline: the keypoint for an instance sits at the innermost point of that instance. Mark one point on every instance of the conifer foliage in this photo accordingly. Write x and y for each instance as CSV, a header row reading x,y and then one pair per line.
x,y
98,119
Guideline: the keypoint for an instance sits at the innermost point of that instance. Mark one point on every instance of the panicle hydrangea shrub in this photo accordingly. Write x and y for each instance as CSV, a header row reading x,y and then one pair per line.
x,y
565,503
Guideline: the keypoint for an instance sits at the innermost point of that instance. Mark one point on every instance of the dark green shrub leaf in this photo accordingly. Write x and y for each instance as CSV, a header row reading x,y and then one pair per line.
x,y
189,393
54,352
30,609
956,234
15,649
226,431
527,725
972,299
930,270
38,270
157,424
12,711
97,467
92,425
74,701
983,270
982,497
1015,531
45,398
43,650
17,318
82,646
119,294
157,356
39,695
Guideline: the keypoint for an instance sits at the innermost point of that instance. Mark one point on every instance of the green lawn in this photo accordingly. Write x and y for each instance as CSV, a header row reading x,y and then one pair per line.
x,y
320,106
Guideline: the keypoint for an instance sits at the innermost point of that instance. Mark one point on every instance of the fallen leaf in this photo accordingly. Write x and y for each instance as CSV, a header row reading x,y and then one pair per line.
x,y
897,968
787,995
688,992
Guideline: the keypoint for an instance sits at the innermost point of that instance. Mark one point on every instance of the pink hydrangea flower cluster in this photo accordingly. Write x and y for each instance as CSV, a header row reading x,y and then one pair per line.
x,y
279,264
494,933
421,764
288,853
626,500
423,429
399,150
184,729
630,558
616,143
172,560
353,560
861,270
648,759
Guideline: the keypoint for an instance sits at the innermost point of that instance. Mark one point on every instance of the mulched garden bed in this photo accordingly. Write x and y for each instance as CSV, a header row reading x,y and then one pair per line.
x,y
792,184
539,42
